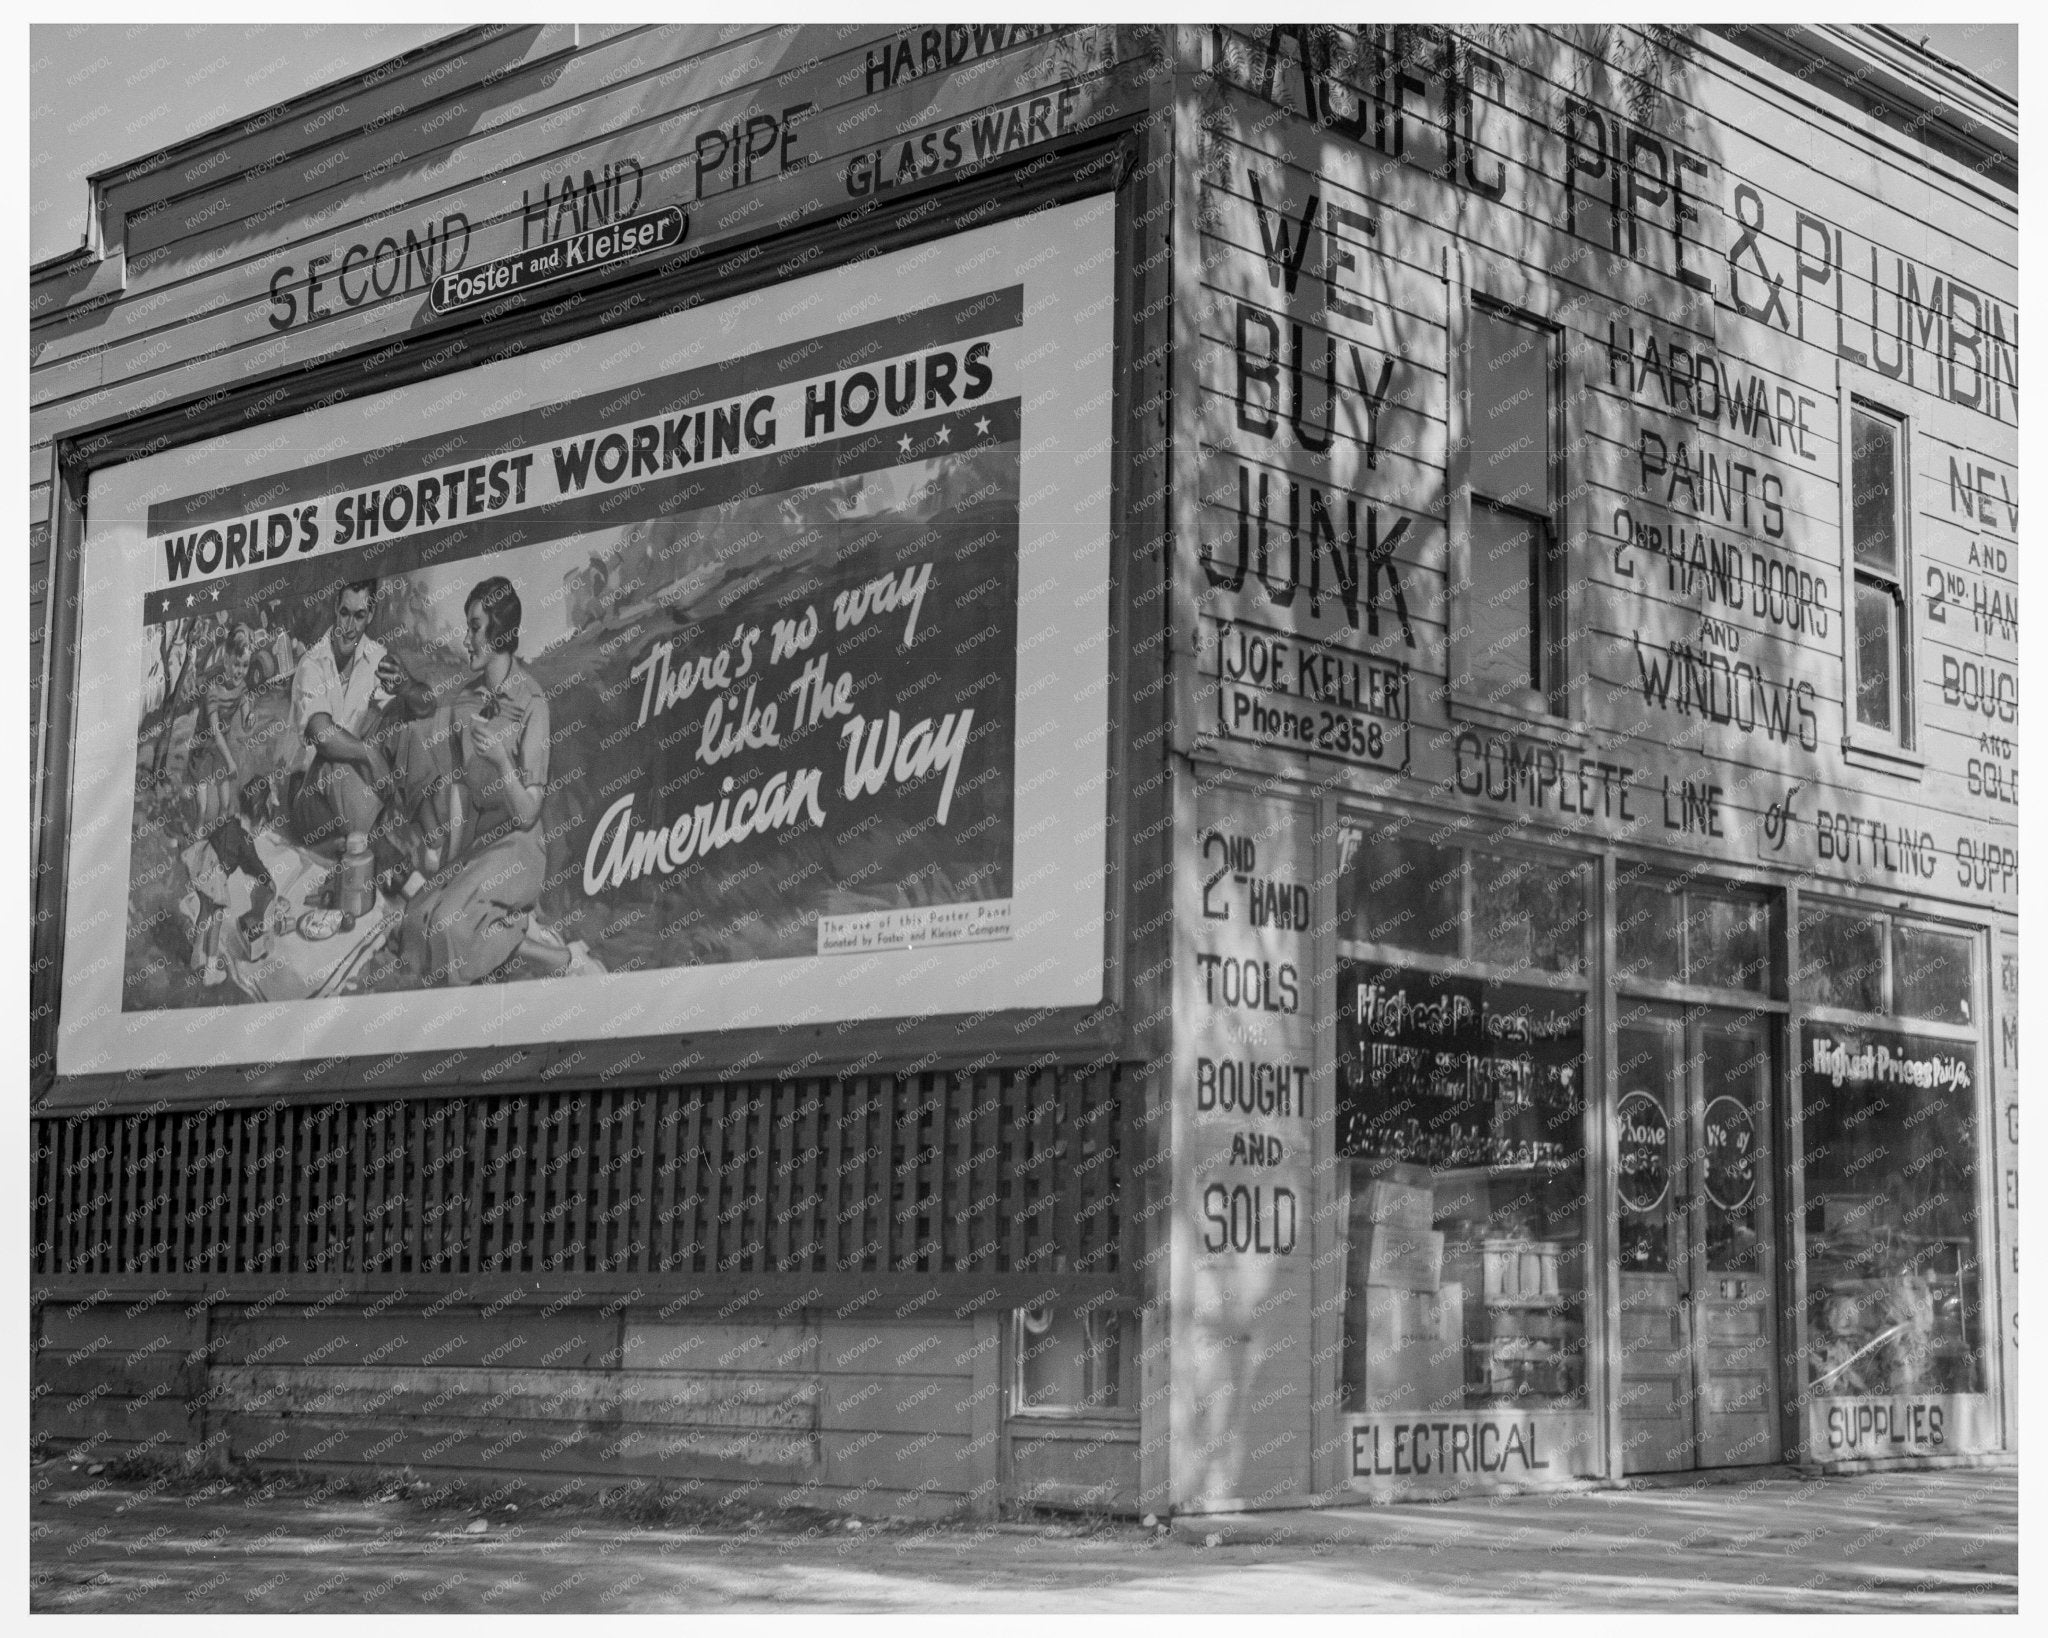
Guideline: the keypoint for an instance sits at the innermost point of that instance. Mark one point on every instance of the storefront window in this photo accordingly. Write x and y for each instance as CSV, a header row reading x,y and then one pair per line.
x,y
1459,1117
1931,974
1692,935
1894,1302
1842,964
1727,941
1528,913
1407,893
1649,930
1841,959
1890,1138
1410,893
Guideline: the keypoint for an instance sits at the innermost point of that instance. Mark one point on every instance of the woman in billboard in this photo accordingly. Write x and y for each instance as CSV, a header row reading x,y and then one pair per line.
x,y
477,912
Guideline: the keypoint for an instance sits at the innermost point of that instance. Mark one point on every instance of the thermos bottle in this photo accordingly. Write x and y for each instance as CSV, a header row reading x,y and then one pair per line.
x,y
358,896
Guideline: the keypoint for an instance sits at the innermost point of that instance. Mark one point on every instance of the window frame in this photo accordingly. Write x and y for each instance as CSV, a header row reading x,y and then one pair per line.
x,y
1895,750
1977,1034
1594,1387
1091,1315
1557,706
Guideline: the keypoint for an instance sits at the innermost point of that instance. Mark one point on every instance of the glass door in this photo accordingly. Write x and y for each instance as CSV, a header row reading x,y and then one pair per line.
x,y
1734,1302
1693,1227
1652,1167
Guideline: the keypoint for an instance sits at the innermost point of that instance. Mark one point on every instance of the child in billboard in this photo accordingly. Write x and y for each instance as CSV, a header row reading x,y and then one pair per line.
x,y
477,911
218,761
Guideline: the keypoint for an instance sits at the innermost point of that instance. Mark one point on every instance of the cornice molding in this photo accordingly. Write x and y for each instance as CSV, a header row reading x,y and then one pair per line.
x,y
1881,72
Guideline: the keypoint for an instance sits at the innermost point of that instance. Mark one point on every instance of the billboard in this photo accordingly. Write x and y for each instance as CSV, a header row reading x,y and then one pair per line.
x,y
739,668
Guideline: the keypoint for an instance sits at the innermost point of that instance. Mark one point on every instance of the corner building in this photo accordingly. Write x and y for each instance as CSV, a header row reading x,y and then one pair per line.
x,y
1241,767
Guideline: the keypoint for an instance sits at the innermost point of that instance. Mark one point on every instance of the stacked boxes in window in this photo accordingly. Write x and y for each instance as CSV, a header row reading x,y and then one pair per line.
x,y
1527,1352
1403,1327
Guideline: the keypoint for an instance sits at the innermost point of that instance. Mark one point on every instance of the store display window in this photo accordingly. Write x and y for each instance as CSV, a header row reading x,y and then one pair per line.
x,y
1895,1293
1460,1105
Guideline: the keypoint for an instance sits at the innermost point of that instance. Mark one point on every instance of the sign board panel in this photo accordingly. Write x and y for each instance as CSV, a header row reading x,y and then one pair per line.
x,y
807,629
598,250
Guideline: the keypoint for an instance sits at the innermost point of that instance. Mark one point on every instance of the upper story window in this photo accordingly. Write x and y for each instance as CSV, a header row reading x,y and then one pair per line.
x,y
1508,584
1878,513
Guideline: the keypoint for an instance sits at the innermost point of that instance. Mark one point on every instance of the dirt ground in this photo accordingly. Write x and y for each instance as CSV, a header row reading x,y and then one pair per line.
x,y
1892,1543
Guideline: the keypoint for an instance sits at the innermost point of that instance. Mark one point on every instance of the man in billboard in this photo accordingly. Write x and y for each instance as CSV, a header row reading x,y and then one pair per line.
x,y
344,690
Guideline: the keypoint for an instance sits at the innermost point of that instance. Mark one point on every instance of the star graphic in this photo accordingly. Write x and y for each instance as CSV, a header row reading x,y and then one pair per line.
x,y
903,443
981,426
943,436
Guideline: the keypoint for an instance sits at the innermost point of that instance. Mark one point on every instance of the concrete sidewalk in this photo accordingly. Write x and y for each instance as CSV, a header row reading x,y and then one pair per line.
x,y
1895,1543
1946,1539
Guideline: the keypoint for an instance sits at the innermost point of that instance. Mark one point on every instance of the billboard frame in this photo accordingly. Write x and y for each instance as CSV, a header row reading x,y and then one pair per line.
x,y
1119,1026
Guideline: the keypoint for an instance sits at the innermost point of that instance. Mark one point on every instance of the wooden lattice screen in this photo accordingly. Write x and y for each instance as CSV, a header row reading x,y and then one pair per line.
x,y
992,1172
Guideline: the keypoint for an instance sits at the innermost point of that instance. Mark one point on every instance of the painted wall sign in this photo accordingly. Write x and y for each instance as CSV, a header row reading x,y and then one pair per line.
x,y
1872,1427
1707,645
1243,1113
735,769
1731,1153
1458,1072
757,134
596,251
1475,121
396,263
2005,1147
1643,1158
1420,1454
1301,694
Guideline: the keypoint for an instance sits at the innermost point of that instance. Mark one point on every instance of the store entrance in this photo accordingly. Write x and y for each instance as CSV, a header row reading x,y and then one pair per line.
x,y
1694,1225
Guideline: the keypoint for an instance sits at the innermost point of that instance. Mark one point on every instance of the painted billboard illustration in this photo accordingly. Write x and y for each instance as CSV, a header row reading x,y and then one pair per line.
x,y
788,759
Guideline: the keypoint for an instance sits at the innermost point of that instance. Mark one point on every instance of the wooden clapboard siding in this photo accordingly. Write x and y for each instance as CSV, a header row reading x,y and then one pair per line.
x,y
230,319
482,165
1079,1462
1790,152
887,1408
1810,164
706,1399
115,1373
